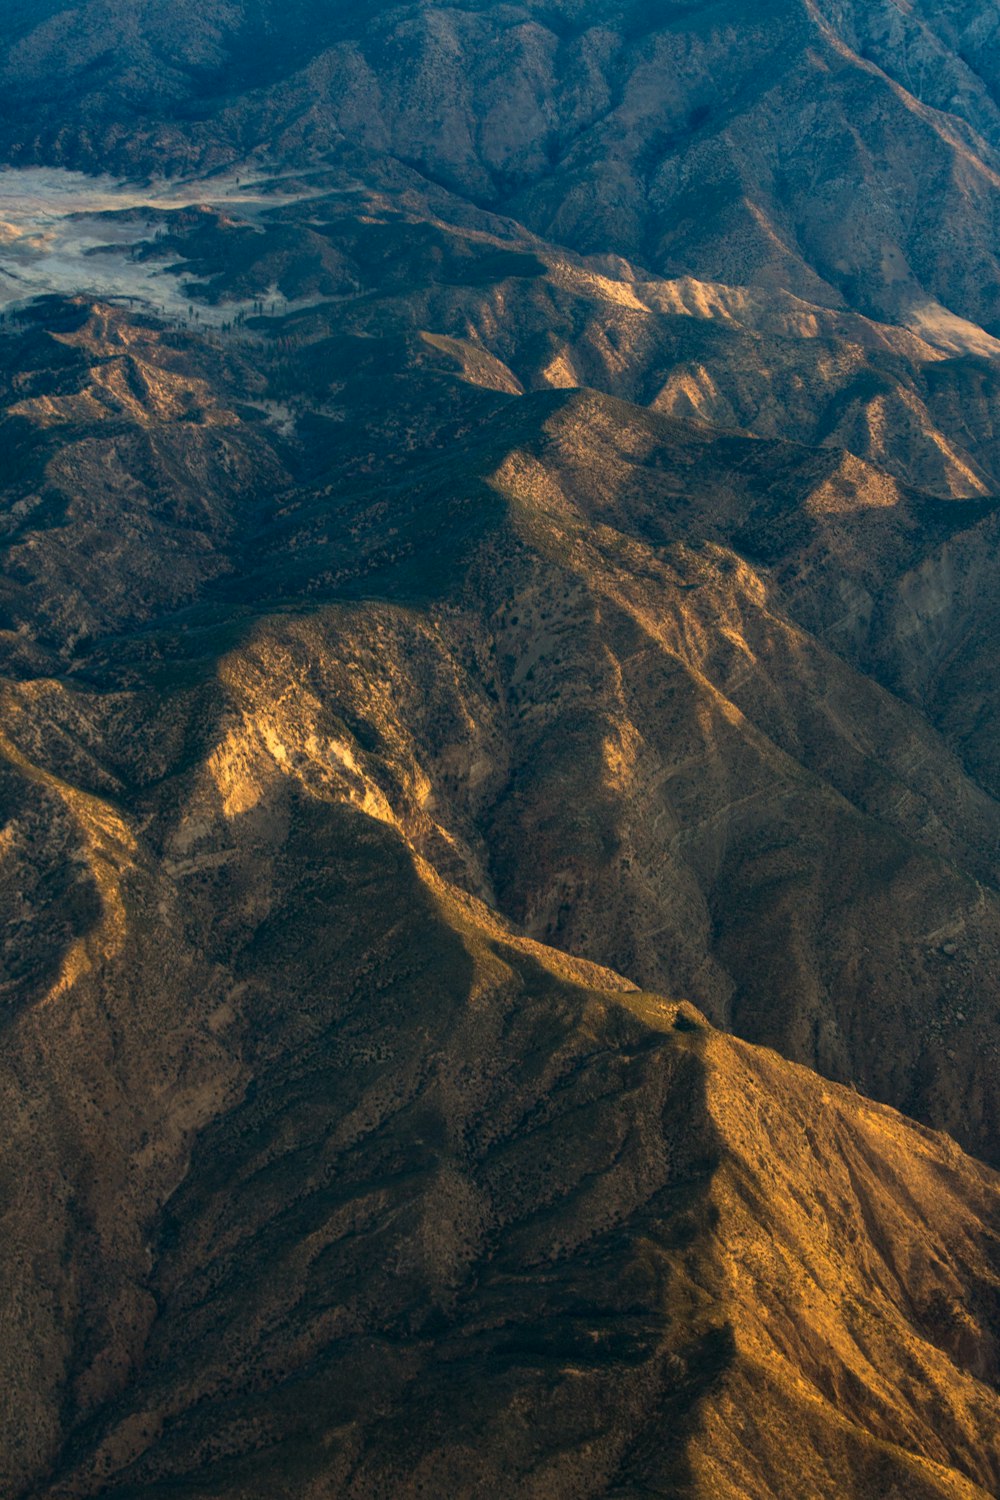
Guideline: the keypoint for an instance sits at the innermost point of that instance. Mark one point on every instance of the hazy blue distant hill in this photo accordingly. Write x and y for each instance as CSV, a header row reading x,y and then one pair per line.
x,y
846,152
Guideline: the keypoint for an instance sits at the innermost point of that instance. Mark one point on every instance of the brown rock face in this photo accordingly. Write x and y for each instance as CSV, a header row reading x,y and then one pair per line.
x,y
341,1184
556,570
357,1193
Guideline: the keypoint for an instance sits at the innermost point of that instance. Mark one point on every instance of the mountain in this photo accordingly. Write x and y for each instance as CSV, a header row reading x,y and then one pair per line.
x,y
444,1213
848,153
500,784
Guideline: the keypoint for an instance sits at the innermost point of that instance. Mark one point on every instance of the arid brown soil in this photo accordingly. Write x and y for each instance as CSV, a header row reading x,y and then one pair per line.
x,y
499,786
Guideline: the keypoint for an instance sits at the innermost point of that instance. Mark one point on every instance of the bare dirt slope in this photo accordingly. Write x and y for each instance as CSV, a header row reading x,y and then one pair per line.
x,y
504,636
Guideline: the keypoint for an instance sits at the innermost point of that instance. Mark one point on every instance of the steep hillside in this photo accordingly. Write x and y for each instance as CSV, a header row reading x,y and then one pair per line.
x,y
499,578
337,1186
848,153
625,679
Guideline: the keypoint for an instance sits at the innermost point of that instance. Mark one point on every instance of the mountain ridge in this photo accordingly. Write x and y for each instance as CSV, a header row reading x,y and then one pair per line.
x,y
604,102
497,624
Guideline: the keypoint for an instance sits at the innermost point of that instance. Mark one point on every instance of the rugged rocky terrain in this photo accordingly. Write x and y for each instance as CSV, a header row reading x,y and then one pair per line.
x,y
517,649
846,152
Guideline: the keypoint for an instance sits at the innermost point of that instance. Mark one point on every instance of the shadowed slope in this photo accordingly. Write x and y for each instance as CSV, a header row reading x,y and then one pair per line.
x,y
601,667
317,724
563,576
396,1203
847,153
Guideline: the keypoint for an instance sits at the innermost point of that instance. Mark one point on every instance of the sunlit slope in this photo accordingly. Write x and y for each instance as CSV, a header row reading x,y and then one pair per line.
x,y
503,635
338,1184
315,730
349,252
628,680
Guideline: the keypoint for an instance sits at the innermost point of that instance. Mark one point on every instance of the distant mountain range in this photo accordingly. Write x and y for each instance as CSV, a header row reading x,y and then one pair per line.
x,y
849,153
521,647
